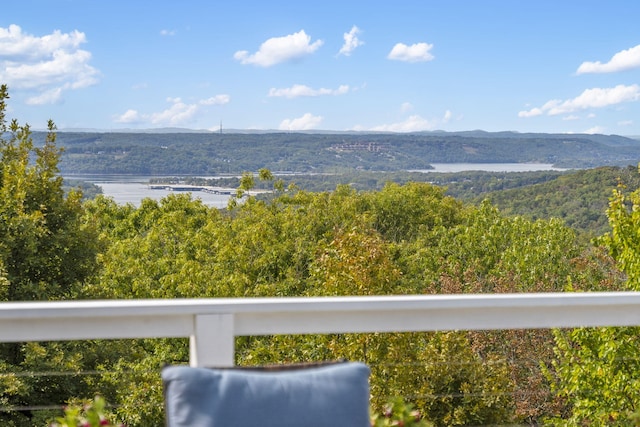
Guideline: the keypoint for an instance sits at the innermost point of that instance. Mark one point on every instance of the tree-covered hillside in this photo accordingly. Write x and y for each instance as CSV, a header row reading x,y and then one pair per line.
x,y
214,154
579,198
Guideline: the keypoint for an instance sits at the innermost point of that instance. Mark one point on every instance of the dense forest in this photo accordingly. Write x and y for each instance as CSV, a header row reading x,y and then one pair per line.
x,y
578,197
215,153
402,238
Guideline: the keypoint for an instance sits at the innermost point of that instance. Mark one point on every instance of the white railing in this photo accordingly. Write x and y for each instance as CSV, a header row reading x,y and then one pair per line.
x,y
212,324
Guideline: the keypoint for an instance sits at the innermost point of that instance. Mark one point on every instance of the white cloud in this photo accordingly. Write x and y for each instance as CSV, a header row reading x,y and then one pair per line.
x,y
296,91
51,96
414,123
306,122
447,116
531,113
418,52
14,44
594,130
167,32
351,41
625,123
178,113
571,117
406,107
46,66
590,98
216,100
621,61
280,49
66,69
130,116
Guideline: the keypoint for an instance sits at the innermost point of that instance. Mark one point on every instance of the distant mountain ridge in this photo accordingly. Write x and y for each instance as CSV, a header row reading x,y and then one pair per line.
x,y
622,139
613,140
177,152
150,130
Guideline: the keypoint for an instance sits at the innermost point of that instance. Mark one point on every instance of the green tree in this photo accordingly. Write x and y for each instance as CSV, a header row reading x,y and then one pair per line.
x,y
597,370
45,249
46,252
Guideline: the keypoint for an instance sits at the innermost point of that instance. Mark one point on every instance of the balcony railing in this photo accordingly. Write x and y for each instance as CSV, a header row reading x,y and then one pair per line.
x,y
212,324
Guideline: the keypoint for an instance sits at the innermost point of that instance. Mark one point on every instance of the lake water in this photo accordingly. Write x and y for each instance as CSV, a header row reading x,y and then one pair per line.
x,y
490,167
132,189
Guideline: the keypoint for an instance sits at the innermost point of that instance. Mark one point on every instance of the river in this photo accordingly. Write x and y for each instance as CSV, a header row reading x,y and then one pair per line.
x,y
490,167
132,189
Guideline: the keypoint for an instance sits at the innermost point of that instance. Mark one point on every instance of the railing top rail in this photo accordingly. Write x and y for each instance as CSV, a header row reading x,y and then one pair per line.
x,y
179,307
212,324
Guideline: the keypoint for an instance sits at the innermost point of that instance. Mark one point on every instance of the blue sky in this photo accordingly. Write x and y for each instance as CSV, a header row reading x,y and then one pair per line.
x,y
498,65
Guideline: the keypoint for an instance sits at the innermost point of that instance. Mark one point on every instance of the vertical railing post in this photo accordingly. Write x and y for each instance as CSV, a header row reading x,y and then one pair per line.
x,y
212,342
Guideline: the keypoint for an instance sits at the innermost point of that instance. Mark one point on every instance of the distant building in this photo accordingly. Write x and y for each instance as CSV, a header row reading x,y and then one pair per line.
x,y
372,147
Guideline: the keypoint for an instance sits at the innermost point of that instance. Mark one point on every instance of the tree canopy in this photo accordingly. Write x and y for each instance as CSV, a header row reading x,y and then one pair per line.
x,y
597,369
47,252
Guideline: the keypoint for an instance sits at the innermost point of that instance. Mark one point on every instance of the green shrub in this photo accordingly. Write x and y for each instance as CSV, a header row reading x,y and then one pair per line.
x,y
92,414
